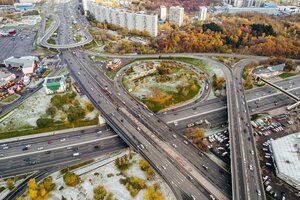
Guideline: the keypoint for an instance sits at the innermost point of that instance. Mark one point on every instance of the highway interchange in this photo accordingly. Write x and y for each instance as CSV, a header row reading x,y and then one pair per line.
x,y
155,136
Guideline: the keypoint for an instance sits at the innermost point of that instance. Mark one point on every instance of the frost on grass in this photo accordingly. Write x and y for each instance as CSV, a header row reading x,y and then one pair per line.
x,y
109,177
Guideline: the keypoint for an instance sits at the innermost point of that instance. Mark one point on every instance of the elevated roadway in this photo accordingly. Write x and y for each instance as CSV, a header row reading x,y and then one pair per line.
x,y
109,105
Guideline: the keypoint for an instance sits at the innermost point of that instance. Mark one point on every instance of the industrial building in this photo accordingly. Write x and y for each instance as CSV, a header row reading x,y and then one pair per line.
x,y
176,15
54,85
27,64
286,156
124,18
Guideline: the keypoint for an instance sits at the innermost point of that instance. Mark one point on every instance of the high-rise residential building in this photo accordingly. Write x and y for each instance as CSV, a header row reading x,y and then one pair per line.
x,y
202,13
238,3
163,13
176,15
124,18
252,3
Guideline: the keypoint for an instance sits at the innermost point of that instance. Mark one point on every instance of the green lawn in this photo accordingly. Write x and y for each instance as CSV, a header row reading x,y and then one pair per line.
x,y
90,45
10,99
176,98
286,75
51,41
48,129
257,116
76,166
111,75
48,23
97,58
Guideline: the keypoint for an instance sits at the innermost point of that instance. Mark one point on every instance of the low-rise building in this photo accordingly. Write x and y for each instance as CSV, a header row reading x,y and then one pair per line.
x,y
6,77
24,6
286,156
27,64
113,64
54,85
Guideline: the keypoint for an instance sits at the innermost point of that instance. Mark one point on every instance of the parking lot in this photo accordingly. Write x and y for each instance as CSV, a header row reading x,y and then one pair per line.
x,y
270,128
19,45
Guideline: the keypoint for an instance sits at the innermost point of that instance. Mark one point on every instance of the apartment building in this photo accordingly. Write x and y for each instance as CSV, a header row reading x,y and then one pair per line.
x,y
202,13
124,18
176,15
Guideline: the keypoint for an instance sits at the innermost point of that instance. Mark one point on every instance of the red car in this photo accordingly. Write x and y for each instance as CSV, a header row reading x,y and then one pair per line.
x,y
50,142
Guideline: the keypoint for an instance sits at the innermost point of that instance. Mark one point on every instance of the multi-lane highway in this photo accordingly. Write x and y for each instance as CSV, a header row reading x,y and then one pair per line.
x,y
91,81
57,150
64,11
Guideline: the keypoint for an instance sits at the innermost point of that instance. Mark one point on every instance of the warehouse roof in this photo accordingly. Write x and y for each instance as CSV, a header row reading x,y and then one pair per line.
x,y
287,157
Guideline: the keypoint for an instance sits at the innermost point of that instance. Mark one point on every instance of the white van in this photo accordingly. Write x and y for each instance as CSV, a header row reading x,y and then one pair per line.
x,y
76,154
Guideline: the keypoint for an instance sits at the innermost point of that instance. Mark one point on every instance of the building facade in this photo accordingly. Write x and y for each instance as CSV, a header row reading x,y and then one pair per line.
x,y
124,18
163,13
176,15
202,13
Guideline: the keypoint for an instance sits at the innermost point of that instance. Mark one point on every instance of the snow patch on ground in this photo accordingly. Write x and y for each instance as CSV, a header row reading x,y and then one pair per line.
x,y
90,181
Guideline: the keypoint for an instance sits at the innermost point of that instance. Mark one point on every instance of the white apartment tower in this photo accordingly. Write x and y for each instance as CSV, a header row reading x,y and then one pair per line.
x,y
163,13
124,18
176,15
202,13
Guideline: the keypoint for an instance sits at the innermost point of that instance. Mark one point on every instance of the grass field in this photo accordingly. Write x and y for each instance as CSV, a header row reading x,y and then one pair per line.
x,y
111,75
10,99
63,171
48,129
48,23
287,75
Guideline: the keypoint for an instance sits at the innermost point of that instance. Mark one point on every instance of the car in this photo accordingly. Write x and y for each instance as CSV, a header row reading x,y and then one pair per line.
x,y
163,167
2,155
212,197
194,198
205,167
174,145
48,152
25,149
98,132
63,139
49,142
258,192
40,148
26,159
3,145
32,162
68,148
175,136
6,147
96,147
251,167
191,178
185,142
252,152
28,145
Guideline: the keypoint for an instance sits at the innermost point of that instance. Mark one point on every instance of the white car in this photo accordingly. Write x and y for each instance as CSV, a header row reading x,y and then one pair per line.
x,y
64,139
28,145
40,148
3,145
6,147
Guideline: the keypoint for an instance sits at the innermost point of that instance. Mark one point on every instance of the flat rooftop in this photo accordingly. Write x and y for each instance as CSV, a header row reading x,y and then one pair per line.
x,y
286,152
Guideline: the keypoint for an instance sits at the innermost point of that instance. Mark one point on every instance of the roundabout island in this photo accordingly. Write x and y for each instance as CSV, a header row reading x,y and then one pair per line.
x,y
163,84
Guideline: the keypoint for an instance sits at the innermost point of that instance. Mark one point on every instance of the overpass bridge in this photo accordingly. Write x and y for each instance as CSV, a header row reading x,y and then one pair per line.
x,y
287,93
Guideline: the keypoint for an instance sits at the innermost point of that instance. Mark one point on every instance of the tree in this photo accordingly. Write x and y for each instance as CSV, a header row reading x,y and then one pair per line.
x,y
153,193
32,190
10,184
212,26
88,106
144,165
100,193
71,179
44,122
51,111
